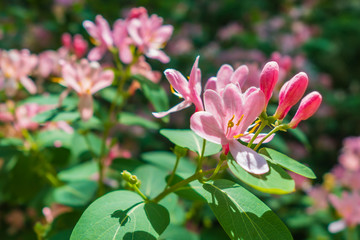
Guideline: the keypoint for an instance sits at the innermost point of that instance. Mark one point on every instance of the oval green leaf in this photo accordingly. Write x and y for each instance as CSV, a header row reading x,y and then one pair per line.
x,y
75,193
121,215
276,181
288,163
188,139
242,215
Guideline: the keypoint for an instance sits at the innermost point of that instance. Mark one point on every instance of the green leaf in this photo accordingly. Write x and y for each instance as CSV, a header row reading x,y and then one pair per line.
x,y
152,179
166,160
276,181
174,232
109,94
82,171
131,119
288,163
121,215
188,139
242,215
58,114
154,93
191,191
75,193
49,138
51,99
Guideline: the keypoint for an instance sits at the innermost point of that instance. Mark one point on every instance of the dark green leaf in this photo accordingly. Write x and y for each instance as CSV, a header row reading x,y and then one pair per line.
x,y
276,181
191,191
121,215
152,179
121,164
109,94
188,139
288,163
242,215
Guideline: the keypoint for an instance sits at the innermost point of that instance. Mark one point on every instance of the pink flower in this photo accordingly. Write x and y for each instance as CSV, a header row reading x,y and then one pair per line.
x,y
122,41
227,75
319,197
268,78
290,93
77,45
150,35
308,106
101,34
348,207
48,63
15,66
86,79
227,118
144,68
190,91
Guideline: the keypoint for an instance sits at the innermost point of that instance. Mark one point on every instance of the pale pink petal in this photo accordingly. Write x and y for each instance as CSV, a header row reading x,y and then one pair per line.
x,y
233,102
133,29
164,33
240,75
86,106
178,81
105,31
214,104
248,137
176,108
211,84
248,159
28,84
69,76
106,78
65,127
90,28
158,55
125,54
96,53
337,226
206,126
223,76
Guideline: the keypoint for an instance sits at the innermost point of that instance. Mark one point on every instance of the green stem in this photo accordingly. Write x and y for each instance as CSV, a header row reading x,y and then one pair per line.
x,y
262,125
268,135
173,172
201,157
140,193
182,183
216,171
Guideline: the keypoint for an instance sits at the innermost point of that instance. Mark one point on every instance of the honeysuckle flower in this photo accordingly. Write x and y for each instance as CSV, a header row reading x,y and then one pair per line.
x,y
190,91
48,63
227,75
226,118
268,78
144,68
308,106
350,156
319,197
290,93
348,207
149,35
15,68
86,78
101,35
122,41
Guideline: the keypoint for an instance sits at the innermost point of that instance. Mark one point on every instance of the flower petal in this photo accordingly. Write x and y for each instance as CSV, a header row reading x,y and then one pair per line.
x,y
28,85
223,76
105,80
178,81
206,126
248,159
248,137
176,108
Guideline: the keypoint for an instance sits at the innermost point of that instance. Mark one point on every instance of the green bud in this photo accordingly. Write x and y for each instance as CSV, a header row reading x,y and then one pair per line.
x,y
126,175
133,180
180,151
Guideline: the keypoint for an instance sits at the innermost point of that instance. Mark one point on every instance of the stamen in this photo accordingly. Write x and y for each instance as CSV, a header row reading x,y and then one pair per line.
x,y
230,122
241,118
239,135
174,92
253,129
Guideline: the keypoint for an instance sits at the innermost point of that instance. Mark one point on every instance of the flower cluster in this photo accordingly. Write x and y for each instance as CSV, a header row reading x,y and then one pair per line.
x,y
139,30
344,178
229,111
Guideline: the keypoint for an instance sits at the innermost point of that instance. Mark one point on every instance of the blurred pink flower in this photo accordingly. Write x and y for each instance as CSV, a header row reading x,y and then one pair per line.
x,y
15,68
226,118
319,197
149,35
122,41
144,68
301,182
47,64
86,78
230,30
348,207
101,35
54,211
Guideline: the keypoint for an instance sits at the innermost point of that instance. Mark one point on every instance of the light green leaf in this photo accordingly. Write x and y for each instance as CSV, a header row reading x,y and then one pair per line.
x,y
174,232
131,119
276,181
58,114
242,215
75,193
121,164
188,139
152,179
109,94
82,171
191,191
49,138
288,163
166,160
121,215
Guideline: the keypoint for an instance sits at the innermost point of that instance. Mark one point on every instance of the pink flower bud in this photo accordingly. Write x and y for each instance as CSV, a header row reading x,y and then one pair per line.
x,y
80,46
290,93
66,40
268,78
308,106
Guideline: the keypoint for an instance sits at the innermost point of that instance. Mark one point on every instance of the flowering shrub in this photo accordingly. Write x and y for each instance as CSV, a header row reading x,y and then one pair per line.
x,y
67,150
